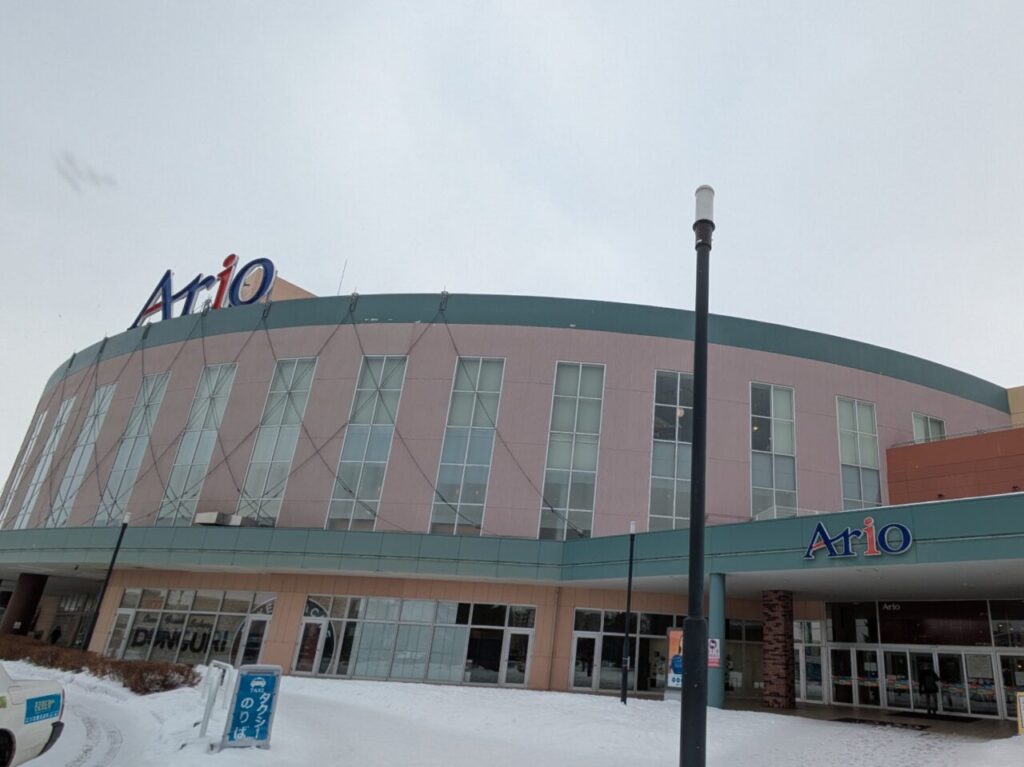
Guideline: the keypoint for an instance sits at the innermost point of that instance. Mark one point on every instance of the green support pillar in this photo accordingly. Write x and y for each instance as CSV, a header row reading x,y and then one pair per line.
x,y
716,630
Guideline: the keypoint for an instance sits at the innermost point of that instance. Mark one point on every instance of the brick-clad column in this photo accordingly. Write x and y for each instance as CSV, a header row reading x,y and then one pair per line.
x,y
779,671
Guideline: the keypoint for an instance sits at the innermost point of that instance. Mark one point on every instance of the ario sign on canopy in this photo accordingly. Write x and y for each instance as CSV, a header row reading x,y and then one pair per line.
x,y
223,290
893,538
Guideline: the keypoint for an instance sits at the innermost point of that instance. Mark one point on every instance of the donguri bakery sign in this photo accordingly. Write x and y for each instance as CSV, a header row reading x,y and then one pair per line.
x,y
892,538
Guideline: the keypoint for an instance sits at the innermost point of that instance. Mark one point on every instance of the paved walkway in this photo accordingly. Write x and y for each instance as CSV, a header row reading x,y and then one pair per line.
x,y
983,729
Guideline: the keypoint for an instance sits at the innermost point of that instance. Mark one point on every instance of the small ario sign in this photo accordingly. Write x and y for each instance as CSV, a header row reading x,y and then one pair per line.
x,y
251,713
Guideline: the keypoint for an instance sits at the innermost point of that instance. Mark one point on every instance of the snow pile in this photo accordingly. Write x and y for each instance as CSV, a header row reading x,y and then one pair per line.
x,y
322,722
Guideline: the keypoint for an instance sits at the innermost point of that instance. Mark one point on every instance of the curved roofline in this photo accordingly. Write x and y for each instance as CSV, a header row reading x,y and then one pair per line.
x,y
531,311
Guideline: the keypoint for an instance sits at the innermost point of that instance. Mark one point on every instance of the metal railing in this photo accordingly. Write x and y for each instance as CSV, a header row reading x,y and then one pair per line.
x,y
972,433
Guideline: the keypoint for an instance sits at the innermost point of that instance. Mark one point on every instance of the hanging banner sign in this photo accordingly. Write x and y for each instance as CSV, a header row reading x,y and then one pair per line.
x,y
227,287
251,713
893,538
675,658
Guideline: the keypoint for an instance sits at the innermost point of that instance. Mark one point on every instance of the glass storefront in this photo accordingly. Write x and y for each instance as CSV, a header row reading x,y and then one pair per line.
x,y
415,640
598,639
744,657
190,626
879,652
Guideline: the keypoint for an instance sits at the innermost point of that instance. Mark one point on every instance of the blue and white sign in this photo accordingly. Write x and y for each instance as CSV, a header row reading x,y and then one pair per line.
x,y
42,708
251,714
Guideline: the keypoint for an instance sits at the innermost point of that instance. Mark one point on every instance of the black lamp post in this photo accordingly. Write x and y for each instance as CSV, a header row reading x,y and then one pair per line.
x,y
693,725
106,582
626,647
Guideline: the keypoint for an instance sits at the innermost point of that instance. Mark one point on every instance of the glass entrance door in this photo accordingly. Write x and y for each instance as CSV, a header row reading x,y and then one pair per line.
x,y
842,675
583,662
311,645
253,631
516,654
808,672
952,683
1011,667
981,684
868,687
897,679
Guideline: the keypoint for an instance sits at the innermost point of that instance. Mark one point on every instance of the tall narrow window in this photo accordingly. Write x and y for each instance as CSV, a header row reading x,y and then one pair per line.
x,y
267,476
772,452
364,455
858,454
927,429
12,487
131,450
670,455
200,435
78,466
468,445
567,509
43,464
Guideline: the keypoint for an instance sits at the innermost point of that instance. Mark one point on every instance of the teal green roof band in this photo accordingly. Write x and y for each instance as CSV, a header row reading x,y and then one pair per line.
x,y
526,311
945,532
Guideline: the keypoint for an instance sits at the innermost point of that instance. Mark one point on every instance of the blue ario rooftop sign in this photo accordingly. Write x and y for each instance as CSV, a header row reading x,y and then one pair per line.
x,y
226,287
893,538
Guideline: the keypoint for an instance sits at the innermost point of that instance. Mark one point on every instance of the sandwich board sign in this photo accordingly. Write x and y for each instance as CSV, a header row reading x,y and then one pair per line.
x,y
251,713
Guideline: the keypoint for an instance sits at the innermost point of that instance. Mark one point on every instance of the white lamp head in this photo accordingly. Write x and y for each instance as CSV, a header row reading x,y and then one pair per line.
x,y
705,204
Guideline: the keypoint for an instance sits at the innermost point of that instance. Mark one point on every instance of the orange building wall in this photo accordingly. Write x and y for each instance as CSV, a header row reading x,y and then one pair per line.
x,y
963,467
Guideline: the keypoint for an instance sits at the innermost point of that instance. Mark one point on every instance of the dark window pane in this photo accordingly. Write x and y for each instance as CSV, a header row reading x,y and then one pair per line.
x,y
761,434
934,623
665,389
588,620
686,390
1008,623
665,422
655,623
462,616
760,399
489,615
852,622
615,623
685,419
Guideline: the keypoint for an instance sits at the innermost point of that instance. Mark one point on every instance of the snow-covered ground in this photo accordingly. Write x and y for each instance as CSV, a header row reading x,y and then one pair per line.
x,y
325,722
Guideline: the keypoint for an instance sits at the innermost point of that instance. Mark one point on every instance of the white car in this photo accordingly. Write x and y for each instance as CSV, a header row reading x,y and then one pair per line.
x,y
30,713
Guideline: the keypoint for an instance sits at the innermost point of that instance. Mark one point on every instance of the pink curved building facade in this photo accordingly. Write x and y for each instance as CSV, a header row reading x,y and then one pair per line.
x,y
437,488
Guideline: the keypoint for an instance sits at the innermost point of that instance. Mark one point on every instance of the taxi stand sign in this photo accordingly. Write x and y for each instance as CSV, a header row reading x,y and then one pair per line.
x,y
251,713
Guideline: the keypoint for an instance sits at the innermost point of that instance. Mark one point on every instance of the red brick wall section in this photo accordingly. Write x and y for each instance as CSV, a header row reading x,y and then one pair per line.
x,y
961,467
777,608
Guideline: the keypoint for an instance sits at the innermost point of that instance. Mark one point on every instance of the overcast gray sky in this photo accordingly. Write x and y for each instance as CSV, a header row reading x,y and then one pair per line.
x,y
866,155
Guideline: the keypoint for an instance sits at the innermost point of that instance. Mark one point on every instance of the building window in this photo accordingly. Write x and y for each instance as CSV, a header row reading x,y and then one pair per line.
x,y
196,447
355,500
858,454
12,487
271,462
468,445
927,429
567,509
131,450
191,627
43,464
670,455
415,640
598,638
772,452
80,457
